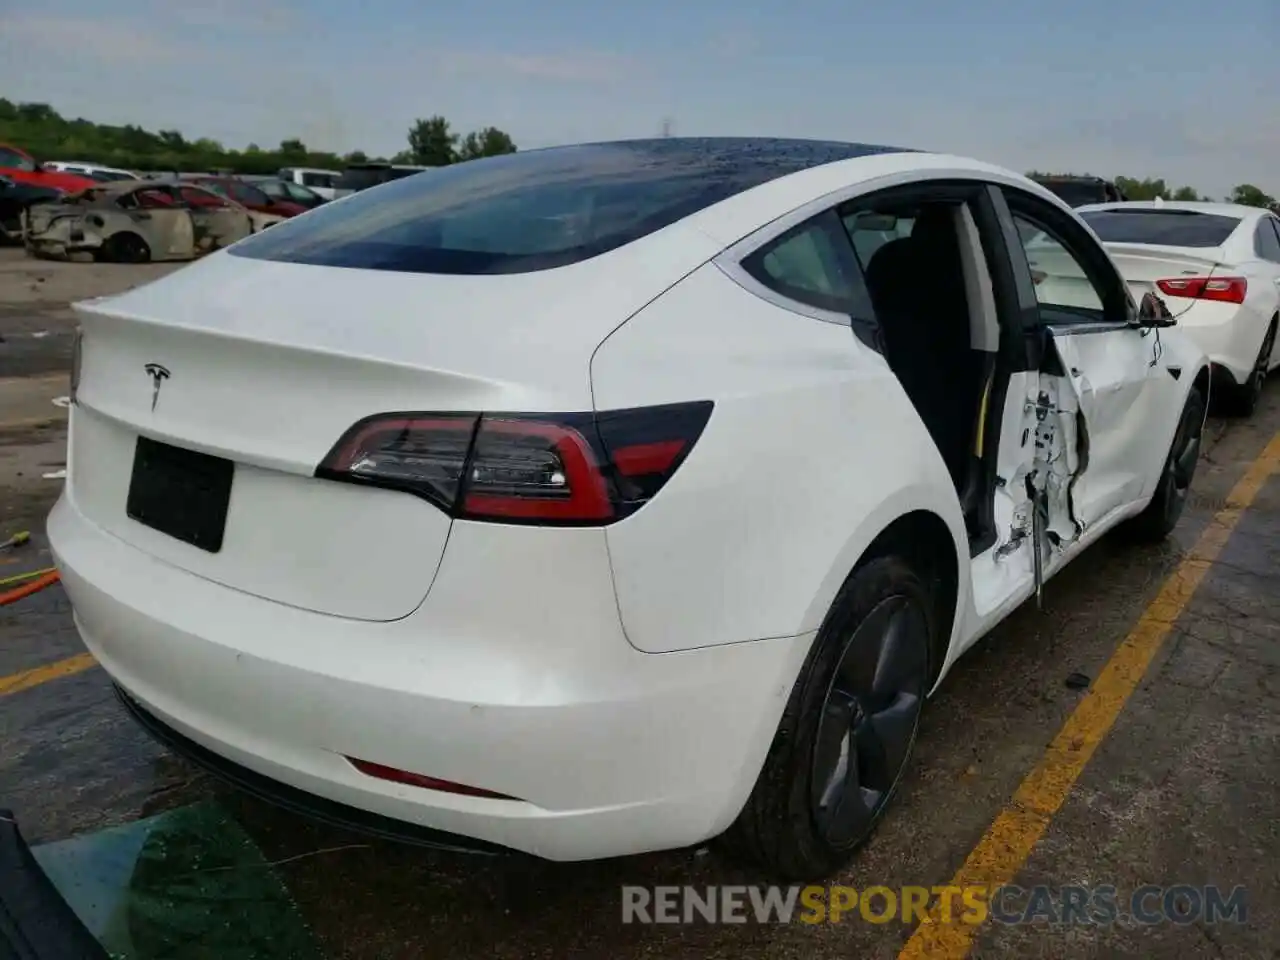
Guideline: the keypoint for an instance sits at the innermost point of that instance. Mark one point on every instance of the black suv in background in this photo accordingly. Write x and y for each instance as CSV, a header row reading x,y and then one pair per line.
x,y
1077,191
362,176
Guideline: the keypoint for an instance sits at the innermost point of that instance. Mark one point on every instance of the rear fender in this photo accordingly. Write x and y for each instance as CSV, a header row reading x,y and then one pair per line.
x,y
924,498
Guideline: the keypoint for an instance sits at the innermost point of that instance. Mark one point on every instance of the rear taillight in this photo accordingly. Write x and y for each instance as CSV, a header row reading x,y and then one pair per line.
x,y
569,469
1221,289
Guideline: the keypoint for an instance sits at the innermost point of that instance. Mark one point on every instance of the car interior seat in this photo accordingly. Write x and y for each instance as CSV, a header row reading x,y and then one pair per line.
x,y
918,289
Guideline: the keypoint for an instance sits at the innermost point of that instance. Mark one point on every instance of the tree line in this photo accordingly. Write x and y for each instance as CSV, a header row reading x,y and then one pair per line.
x,y
42,132
1152,188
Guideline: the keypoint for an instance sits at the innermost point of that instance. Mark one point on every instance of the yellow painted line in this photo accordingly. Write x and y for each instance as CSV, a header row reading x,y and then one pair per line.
x,y
1009,840
26,679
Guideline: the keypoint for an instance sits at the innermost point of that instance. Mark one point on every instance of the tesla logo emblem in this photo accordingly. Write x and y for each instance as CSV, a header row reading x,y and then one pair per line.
x,y
158,375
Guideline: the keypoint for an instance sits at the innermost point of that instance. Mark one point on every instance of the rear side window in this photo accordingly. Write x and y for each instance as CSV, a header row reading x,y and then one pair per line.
x,y
534,210
1266,241
317,180
813,264
1170,228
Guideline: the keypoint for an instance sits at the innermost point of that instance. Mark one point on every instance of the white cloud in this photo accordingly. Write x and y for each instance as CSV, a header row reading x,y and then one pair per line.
x,y
582,67
108,40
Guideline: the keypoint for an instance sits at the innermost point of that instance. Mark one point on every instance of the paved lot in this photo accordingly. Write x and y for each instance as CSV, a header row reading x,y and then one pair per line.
x,y
1182,789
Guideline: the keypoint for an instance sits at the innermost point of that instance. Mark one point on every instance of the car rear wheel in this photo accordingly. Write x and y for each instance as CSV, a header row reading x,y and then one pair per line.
x,y
1163,512
126,248
848,729
1249,393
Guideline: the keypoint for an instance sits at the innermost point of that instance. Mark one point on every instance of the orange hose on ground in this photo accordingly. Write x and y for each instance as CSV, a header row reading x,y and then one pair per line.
x,y
27,589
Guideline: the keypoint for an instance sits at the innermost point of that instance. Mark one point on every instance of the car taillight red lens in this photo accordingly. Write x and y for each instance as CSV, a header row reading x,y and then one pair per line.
x,y
567,469
1220,289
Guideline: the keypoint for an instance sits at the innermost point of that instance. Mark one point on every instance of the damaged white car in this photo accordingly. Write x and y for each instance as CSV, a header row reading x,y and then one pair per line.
x,y
1218,267
140,221
678,473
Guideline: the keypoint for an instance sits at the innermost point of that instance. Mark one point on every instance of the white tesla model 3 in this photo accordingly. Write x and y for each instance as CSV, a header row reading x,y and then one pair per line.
x,y
607,498
1219,266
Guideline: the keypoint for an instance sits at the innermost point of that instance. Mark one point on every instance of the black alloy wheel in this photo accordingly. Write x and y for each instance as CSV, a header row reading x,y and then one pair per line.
x,y
1174,486
1250,392
870,719
846,734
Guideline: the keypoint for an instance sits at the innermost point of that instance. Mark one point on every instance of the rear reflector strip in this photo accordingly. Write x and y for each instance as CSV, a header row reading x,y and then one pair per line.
x,y
394,775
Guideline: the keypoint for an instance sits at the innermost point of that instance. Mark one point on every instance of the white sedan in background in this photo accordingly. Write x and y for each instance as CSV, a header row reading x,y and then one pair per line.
x,y
607,498
1218,267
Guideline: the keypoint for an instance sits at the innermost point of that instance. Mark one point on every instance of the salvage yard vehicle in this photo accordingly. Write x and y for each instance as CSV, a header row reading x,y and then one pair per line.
x,y
680,472
15,199
139,221
362,176
20,167
248,195
279,189
94,171
1219,266
322,182
1080,190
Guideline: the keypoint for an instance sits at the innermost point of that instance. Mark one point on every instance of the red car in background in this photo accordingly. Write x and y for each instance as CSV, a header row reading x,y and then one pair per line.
x,y
20,167
249,196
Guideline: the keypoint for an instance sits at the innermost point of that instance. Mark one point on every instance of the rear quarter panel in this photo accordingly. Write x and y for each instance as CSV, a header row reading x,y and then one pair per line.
x,y
811,451
1178,351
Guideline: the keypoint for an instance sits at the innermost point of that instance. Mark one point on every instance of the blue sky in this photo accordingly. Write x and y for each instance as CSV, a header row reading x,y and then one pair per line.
x,y
1183,89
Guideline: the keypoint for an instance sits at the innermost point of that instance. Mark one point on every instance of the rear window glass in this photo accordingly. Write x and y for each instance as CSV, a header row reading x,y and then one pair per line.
x,y
535,210
1170,228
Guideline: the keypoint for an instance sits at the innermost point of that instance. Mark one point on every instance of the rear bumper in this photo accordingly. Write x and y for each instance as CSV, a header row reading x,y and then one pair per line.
x,y
513,676
297,801
35,922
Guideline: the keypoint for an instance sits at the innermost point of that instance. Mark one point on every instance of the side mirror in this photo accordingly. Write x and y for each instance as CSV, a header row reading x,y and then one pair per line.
x,y
1153,312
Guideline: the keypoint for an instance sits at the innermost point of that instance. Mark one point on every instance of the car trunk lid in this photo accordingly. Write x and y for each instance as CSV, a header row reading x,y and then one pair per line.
x,y
267,364
1142,265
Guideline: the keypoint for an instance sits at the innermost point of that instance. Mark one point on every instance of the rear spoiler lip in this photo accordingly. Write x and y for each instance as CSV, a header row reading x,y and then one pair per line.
x,y
36,923
1185,255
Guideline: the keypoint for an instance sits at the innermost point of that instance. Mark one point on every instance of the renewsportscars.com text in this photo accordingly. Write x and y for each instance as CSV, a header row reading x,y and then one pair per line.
x,y
1065,905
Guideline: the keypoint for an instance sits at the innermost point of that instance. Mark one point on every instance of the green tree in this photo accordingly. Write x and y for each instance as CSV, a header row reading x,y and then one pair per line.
x,y
1185,193
1149,188
356,156
1251,196
489,142
432,143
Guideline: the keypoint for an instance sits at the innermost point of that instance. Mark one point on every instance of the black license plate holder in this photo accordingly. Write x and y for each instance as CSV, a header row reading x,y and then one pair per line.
x,y
181,493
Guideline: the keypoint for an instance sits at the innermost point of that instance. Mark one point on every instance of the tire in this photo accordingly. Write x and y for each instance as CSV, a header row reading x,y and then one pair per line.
x,y
1245,396
844,704
1163,512
125,248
